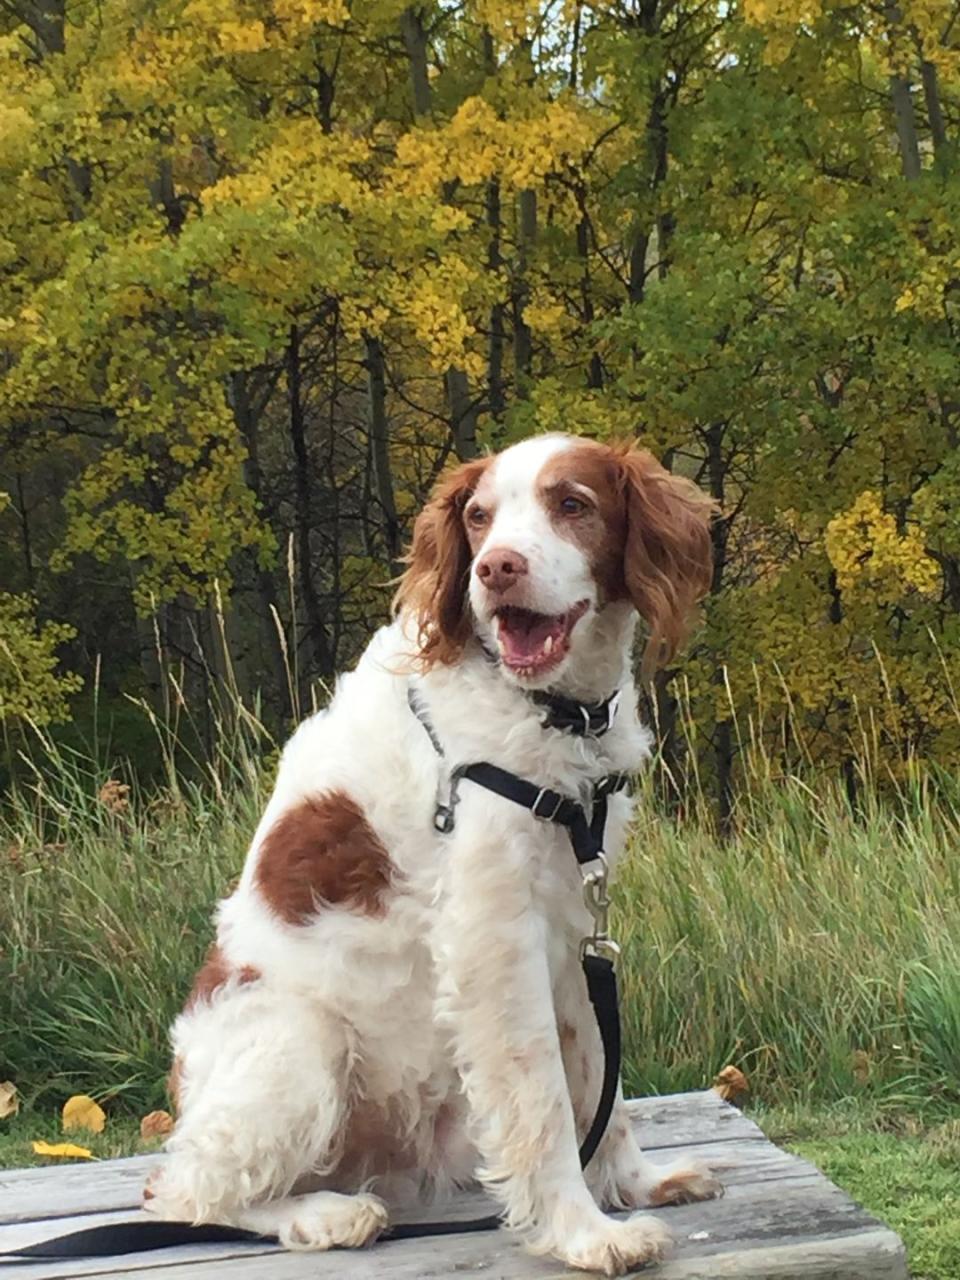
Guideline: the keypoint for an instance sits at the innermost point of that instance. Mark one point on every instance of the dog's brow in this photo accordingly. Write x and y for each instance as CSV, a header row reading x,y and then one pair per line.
x,y
567,485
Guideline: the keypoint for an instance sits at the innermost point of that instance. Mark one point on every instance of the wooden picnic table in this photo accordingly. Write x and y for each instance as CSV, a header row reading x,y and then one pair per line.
x,y
780,1219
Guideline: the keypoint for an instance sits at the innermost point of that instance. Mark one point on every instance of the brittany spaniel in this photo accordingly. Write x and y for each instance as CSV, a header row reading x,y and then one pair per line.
x,y
390,1011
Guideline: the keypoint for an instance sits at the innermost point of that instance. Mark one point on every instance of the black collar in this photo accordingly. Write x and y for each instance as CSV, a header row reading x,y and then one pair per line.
x,y
582,719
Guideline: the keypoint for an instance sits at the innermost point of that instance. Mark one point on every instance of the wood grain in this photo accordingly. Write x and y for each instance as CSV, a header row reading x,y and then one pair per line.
x,y
780,1219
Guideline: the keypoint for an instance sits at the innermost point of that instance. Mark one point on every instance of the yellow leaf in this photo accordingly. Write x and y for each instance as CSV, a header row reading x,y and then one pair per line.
x,y
730,1084
81,1112
9,1102
156,1125
62,1150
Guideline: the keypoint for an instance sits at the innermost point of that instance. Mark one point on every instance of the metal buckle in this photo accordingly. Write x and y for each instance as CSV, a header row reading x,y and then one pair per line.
x,y
545,817
597,902
443,819
612,706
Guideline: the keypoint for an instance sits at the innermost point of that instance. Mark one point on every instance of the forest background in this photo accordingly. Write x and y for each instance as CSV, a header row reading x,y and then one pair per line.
x,y
266,268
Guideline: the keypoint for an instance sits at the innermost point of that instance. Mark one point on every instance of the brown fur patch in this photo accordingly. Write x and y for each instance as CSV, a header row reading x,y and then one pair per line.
x,y
173,1083
601,530
568,1036
679,1188
213,973
323,852
645,532
434,586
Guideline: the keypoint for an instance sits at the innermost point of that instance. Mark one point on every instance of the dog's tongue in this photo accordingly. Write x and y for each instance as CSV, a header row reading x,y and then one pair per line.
x,y
523,634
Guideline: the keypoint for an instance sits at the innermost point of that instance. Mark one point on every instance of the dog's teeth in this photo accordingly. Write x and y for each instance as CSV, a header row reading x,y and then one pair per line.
x,y
548,645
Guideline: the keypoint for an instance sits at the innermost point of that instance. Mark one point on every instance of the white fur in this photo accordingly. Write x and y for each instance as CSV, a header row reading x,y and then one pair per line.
x,y
413,1053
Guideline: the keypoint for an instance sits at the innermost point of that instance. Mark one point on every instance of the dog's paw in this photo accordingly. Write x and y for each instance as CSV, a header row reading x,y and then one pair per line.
x,y
613,1248
684,1184
161,1200
326,1221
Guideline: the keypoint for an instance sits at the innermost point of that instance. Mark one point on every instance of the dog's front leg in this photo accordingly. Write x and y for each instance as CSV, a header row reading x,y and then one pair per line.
x,y
496,995
620,1176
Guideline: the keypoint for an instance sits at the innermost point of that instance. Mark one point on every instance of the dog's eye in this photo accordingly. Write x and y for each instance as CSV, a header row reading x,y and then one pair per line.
x,y
477,517
571,506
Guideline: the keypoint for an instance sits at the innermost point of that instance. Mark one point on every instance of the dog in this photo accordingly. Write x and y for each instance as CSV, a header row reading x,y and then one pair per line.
x,y
391,1011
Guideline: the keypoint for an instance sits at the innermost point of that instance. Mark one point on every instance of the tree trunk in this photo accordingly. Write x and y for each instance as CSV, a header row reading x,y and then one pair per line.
x,y
902,100
316,624
463,411
496,399
938,127
415,43
463,414
723,742
25,538
594,367
848,768
380,450
268,611
522,337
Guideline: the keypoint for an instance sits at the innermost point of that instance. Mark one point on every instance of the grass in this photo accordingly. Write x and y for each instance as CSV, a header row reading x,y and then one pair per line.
x,y
817,949
17,1135
902,1166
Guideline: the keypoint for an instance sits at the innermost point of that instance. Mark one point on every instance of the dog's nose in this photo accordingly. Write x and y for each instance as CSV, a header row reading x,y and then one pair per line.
x,y
500,568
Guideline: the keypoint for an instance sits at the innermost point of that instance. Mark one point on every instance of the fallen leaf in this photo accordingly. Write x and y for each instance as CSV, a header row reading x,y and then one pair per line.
x,y
156,1125
114,795
730,1084
62,1150
860,1062
9,1102
81,1112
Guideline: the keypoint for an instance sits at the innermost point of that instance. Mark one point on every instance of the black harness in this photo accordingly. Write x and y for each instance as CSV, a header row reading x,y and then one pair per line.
x,y
585,827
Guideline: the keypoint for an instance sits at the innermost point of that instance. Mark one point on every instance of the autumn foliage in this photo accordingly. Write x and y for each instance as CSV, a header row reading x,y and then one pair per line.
x,y
266,265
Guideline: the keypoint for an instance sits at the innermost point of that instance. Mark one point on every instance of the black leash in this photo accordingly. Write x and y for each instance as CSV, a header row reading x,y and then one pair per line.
x,y
113,1239
586,838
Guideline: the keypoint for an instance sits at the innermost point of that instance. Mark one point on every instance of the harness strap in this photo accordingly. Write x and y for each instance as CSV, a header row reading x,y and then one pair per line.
x,y
585,831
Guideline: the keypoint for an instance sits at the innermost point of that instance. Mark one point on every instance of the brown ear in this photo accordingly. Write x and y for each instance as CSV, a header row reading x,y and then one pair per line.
x,y
668,558
434,587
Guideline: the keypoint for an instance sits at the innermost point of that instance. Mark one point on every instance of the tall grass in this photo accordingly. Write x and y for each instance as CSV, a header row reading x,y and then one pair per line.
x,y
816,948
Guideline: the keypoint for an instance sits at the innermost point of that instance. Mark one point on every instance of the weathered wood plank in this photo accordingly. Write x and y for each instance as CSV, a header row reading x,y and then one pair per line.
x,y
734,1162
684,1118
33,1194
796,1226
780,1220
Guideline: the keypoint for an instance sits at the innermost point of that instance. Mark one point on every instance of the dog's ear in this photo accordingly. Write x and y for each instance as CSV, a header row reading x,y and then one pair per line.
x,y
433,588
668,553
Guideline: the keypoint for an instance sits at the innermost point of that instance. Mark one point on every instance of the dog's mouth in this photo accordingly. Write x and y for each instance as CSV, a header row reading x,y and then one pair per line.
x,y
532,643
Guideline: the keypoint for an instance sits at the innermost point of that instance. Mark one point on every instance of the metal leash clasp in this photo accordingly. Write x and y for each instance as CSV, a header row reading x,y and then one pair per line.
x,y
597,901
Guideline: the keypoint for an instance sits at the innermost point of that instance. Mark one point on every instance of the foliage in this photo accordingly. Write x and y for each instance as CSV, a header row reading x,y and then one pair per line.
x,y
31,685
268,263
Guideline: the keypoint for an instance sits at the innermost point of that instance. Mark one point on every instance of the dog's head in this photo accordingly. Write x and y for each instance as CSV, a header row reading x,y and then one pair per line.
x,y
523,547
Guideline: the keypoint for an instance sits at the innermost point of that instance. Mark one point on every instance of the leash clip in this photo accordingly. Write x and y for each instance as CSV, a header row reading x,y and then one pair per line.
x,y
597,902
444,815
